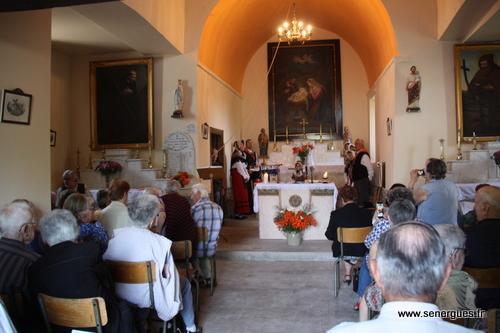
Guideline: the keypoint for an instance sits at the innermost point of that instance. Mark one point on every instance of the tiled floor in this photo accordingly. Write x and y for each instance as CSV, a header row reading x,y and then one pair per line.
x,y
266,296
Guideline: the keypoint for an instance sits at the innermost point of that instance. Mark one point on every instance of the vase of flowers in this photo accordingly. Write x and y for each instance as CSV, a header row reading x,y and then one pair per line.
x,y
182,177
293,223
107,169
303,151
496,157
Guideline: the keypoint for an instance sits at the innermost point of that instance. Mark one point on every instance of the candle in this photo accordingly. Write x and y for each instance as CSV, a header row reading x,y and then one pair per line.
x,y
266,178
325,175
321,133
331,134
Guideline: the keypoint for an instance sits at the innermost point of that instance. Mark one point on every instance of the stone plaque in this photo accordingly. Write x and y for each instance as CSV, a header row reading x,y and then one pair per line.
x,y
180,154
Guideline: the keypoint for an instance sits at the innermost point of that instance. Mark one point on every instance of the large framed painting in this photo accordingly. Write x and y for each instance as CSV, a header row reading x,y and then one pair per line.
x,y
477,80
305,93
121,101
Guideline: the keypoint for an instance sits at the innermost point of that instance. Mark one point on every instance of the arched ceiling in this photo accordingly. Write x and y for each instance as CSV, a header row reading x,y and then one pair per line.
x,y
235,29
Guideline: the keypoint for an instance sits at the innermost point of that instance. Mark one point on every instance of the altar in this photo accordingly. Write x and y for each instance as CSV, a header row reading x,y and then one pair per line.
x,y
269,197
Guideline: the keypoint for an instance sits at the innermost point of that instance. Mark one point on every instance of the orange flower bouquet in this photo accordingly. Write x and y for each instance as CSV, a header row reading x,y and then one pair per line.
x,y
182,177
303,150
294,221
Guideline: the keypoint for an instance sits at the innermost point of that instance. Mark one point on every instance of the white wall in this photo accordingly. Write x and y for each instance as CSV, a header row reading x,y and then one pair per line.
x,y
25,63
60,116
354,91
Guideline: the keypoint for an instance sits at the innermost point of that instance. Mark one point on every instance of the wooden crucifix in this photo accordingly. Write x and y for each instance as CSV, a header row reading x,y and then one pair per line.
x,y
303,123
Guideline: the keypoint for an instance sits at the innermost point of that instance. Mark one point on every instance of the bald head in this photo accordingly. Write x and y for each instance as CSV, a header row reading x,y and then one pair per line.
x,y
487,203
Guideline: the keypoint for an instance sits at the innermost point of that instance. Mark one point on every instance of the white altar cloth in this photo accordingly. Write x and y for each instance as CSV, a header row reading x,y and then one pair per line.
x,y
269,197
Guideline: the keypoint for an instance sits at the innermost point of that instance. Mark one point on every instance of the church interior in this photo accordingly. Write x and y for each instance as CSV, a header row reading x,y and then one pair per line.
x,y
219,52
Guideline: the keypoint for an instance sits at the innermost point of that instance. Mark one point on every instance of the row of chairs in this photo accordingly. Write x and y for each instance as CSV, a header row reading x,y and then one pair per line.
x,y
91,312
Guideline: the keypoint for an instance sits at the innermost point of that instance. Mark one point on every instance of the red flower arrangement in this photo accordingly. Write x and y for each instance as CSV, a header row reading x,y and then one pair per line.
x,y
303,150
496,157
182,177
290,221
108,168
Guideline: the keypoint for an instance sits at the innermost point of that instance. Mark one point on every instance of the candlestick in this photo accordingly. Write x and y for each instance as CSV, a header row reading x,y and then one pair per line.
x,y
137,152
441,141
286,135
164,170
78,162
331,138
150,161
104,154
320,133
459,148
474,141
89,162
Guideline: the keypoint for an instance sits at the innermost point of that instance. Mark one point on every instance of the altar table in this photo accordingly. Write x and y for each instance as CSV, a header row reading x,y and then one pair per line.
x,y
268,198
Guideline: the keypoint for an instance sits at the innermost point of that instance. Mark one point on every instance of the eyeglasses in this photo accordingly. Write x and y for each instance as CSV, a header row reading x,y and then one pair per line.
x,y
30,226
455,251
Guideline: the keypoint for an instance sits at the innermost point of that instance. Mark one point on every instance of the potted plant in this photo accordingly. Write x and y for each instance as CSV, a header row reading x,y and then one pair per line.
x,y
302,151
108,168
293,223
182,177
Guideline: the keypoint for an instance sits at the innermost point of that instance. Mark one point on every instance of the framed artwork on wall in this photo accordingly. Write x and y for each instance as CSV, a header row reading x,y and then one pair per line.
x,y
304,89
477,88
16,107
121,103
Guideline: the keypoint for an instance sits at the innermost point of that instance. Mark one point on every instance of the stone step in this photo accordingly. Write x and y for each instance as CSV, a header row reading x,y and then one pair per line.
x,y
274,255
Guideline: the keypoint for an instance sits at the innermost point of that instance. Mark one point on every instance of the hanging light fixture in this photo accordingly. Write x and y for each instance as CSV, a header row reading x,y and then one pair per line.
x,y
295,31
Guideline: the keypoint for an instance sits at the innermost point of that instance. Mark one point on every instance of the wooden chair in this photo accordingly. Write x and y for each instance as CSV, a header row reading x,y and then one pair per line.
x,y
203,237
494,321
137,273
182,252
347,236
73,313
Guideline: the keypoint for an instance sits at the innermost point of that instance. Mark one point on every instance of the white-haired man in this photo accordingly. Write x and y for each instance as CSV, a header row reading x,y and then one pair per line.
x,y
72,270
16,230
410,267
137,243
209,215
70,185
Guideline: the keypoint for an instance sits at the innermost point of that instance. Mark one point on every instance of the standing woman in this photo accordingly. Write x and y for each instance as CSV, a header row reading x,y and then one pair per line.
x,y
239,176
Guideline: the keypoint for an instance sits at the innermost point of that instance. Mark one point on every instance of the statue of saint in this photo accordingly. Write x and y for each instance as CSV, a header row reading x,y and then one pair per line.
x,y
263,143
413,85
178,100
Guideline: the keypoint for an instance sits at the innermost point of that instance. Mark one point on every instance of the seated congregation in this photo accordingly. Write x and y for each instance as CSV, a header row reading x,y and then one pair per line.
x,y
418,253
78,252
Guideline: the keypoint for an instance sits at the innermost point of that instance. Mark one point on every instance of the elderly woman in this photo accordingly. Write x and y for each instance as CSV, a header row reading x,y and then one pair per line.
x,y
137,243
458,294
90,230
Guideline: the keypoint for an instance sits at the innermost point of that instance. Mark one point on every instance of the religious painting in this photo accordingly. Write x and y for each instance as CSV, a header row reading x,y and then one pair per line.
x,y
121,102
16,107
477,81
304,89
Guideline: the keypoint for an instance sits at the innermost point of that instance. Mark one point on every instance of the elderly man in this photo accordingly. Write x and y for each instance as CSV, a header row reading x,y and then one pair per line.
x,y
179,224
70,184
115,215
482,241
16,230
137,243
72,270
437,199
410,267
209,215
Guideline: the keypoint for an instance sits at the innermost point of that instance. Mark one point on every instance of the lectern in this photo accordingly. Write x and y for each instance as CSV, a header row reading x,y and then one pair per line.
x,y
212,173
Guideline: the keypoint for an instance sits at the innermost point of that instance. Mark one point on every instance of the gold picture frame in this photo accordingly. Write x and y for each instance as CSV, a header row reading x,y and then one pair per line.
x,y
121,103
477,90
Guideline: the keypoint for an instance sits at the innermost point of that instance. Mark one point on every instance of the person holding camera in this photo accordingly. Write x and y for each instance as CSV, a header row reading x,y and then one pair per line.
x,y
437,199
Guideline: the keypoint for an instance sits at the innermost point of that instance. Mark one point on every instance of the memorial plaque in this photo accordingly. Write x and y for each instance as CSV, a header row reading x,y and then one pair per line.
x,y
180,154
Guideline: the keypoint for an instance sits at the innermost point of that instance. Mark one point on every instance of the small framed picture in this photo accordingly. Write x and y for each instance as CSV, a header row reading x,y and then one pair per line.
x,y
16,107
204,131
52,138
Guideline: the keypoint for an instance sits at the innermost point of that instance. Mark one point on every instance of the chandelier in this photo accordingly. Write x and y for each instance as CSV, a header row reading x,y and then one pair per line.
x,y
294,32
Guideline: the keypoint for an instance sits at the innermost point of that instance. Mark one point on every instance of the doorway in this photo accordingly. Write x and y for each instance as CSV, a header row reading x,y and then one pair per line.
x,y
216,143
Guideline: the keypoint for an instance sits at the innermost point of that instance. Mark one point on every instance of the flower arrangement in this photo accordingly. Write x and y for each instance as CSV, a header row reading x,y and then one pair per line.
x,y
182,177
303,150
108,168
496,157
289,221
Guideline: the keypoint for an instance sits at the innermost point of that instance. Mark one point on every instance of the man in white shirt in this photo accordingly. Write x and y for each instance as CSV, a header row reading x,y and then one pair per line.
x,y
410,267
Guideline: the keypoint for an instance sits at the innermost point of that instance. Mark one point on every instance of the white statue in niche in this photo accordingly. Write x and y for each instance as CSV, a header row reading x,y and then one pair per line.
x,y
178,100
413,85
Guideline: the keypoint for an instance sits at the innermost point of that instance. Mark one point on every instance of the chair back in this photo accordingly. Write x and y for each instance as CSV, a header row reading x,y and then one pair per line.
x,y
134,273
485,277
351,236
182,252
73,313
203,237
